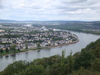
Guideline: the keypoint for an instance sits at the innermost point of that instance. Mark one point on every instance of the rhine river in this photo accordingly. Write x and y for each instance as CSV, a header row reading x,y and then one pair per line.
x,y
84,39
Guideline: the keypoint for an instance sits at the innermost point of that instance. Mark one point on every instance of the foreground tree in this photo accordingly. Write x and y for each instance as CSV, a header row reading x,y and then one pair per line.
x,y
96,64
16,67
32,70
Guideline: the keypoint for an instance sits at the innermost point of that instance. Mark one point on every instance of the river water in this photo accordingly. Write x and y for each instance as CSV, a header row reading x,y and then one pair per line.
x,y
84,39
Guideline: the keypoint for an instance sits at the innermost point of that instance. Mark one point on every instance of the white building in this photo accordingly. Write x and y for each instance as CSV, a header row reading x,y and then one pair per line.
x,y
44,28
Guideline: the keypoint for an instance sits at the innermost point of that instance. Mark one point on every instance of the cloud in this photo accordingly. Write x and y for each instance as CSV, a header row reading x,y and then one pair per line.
x,y
0,3
74,1
81,11
50,9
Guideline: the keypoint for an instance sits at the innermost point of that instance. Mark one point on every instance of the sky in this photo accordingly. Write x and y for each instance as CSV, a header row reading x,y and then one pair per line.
x,y
44,10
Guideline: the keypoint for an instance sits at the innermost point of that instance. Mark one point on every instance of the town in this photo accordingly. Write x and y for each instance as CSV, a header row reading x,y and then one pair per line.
x,y
27,37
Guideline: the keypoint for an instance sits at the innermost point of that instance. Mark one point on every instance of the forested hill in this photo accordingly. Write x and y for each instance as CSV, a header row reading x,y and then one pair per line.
x,y
88,27
86,62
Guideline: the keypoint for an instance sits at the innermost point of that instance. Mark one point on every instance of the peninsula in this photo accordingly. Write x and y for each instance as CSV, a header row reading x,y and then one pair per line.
x,y
15,39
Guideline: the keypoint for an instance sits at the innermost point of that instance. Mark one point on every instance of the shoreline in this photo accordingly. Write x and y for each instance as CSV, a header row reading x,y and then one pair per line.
x,y
38,49
88,32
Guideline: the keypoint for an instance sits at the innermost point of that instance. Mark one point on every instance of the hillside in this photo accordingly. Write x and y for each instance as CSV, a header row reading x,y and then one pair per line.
x,y
88,27
81,63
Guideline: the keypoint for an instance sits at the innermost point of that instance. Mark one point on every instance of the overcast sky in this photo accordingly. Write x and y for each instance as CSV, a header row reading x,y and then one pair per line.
x,y
42,10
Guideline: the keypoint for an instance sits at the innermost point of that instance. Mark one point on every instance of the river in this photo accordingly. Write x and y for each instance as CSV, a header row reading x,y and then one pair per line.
x,y
84,39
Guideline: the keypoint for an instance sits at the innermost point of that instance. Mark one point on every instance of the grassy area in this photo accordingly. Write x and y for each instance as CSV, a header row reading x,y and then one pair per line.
x,y
10,52
16,51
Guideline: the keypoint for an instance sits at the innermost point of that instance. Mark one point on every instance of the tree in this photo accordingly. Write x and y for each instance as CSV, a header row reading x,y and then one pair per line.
x,y
56,69
13,47
15,67
84,59
97,52
7,50
18,49
63,59
70,63
26,46
34,70
38,44
83,71
96,64
1,50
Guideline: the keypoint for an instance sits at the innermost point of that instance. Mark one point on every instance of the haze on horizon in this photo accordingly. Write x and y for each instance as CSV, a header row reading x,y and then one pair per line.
x,y
82,10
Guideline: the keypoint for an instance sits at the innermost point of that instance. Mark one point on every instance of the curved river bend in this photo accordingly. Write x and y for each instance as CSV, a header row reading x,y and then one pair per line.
x,y
84,39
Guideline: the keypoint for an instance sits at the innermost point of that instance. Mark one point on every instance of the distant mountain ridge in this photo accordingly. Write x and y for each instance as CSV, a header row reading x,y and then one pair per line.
x,y
1,20
7,20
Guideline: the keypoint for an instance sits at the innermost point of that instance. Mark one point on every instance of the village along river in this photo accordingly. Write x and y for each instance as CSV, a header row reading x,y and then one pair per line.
x,y
84,39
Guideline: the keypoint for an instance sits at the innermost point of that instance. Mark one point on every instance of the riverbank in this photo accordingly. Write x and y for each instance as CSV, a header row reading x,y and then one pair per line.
x,y
88,32
33,49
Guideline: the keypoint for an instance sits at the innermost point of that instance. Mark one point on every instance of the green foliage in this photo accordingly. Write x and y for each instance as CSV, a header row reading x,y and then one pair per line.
x,y
7,50
32,70
38,44
68,26
34,32
56,69
85,58
96,64
71,63
12,36
57,38
35,41
15,67
80,27
87,55
13,47
40,62
18,49
97,52
1,50
83,71
26,46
